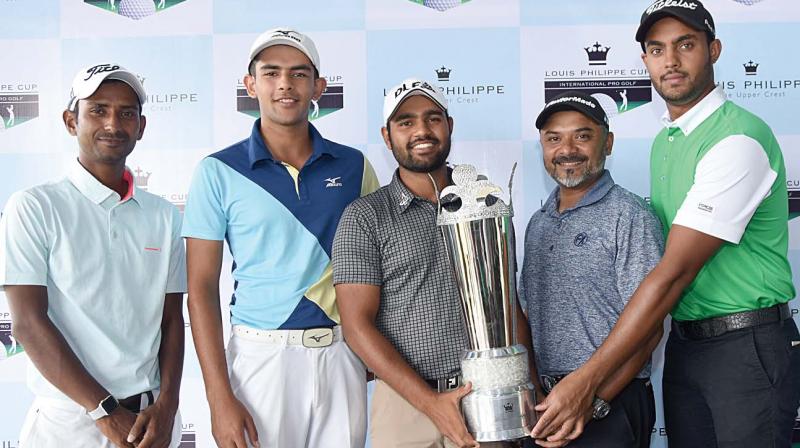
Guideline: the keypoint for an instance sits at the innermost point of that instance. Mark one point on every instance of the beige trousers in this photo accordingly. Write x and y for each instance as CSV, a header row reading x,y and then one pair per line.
x,y
395,423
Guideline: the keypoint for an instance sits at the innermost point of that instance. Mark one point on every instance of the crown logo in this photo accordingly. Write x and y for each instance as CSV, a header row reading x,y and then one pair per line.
x,y
140,178
597,54
751,68
443,73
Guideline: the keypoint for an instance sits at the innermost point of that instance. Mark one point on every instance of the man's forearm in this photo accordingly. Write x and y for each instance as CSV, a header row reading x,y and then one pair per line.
x,y
686,252
170,354
621,377
387,363
55,360
206,324
643,314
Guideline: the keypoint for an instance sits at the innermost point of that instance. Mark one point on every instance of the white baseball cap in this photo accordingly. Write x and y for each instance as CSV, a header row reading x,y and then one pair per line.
x,y
285,36
89,78
408,88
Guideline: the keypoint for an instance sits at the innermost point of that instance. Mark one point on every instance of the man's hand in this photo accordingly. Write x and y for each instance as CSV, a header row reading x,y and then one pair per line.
x,y
153,427
559,439
229,422
563,411
445,412
116,426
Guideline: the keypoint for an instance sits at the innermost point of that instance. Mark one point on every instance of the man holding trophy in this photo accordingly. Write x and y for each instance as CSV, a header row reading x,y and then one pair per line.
x,y
396,291
586,251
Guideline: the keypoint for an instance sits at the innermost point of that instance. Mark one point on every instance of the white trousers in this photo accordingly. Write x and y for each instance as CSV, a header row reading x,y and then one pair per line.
x,y
298,396
54,423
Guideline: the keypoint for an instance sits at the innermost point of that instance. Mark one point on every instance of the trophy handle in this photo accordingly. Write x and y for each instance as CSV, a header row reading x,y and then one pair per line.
x,y
510,184
438,199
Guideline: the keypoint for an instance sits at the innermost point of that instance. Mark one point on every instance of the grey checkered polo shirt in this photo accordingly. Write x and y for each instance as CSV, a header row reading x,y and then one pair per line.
x,y
389,238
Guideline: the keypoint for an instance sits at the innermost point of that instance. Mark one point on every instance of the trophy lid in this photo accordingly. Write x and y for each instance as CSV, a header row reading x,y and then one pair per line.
x,y
471,198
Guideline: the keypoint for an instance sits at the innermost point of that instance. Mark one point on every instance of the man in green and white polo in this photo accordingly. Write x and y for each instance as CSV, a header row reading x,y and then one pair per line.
x,y
718,183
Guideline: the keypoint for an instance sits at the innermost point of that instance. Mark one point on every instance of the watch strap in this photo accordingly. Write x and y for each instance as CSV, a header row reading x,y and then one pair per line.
x,y
105,407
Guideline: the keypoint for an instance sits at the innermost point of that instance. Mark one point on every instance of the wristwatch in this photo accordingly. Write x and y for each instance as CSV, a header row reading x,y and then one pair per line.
x,y
600,408
106,407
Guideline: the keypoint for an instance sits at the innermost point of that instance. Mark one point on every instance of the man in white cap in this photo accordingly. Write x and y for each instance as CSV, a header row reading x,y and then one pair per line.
x,y
399,301
276,198
94,272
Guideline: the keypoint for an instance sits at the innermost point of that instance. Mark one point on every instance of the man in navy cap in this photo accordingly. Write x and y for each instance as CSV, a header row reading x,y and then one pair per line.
x,y
586,251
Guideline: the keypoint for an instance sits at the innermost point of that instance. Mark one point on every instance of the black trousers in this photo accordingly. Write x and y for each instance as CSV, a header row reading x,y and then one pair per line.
x,y
628,425
737,390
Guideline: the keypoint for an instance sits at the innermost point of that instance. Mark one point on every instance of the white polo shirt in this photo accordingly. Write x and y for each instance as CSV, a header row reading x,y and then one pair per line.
x,y
107,264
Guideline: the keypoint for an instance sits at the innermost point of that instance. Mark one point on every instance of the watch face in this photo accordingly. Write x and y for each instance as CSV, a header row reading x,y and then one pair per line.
x,y
601,409
109,405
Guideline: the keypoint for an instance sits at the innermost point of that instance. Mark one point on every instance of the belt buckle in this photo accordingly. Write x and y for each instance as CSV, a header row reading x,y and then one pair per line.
x,y
447,384
317,337
548,383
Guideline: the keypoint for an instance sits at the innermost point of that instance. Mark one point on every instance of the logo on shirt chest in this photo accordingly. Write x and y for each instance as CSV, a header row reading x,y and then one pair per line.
x,y
580,239
333,182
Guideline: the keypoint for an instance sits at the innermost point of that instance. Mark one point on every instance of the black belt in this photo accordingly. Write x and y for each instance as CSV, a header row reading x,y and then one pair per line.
x,y
445,384
550,381
717,326
134,402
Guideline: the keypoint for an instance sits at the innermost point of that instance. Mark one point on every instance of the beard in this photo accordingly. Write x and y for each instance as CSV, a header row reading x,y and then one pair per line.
x,y
409,161
574,176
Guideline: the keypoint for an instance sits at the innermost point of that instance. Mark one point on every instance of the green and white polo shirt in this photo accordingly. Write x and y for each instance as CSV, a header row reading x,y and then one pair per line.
x,y
718,169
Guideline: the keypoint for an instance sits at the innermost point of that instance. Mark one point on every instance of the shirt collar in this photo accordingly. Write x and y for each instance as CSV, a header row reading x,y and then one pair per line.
x,y
399,193
258,151
402,196
598,191
695,116
94,190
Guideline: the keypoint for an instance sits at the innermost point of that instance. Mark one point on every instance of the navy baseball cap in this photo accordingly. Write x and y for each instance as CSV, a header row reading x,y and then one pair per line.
x,y
690,12
577,101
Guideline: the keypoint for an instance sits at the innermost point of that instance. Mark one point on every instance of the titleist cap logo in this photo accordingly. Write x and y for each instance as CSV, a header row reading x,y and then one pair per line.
x,y
661,4
101,68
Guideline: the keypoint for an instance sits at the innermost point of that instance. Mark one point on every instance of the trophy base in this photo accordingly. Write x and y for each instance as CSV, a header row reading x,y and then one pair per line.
x,y
500,414
500,406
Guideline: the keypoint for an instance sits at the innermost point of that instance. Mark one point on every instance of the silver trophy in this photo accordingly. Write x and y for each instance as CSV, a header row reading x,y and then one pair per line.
x,y
478,237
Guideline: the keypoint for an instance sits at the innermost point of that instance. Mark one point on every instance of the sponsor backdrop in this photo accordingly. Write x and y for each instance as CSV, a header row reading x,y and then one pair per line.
x,y
497,61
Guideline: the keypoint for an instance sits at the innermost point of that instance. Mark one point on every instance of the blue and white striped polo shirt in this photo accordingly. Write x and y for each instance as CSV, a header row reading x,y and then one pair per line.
x,y
279,224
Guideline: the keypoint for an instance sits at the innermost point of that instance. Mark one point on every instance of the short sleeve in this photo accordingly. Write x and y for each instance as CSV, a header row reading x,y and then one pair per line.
x,y
640,244
24,247
356,253
730,182
176,281
204,215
